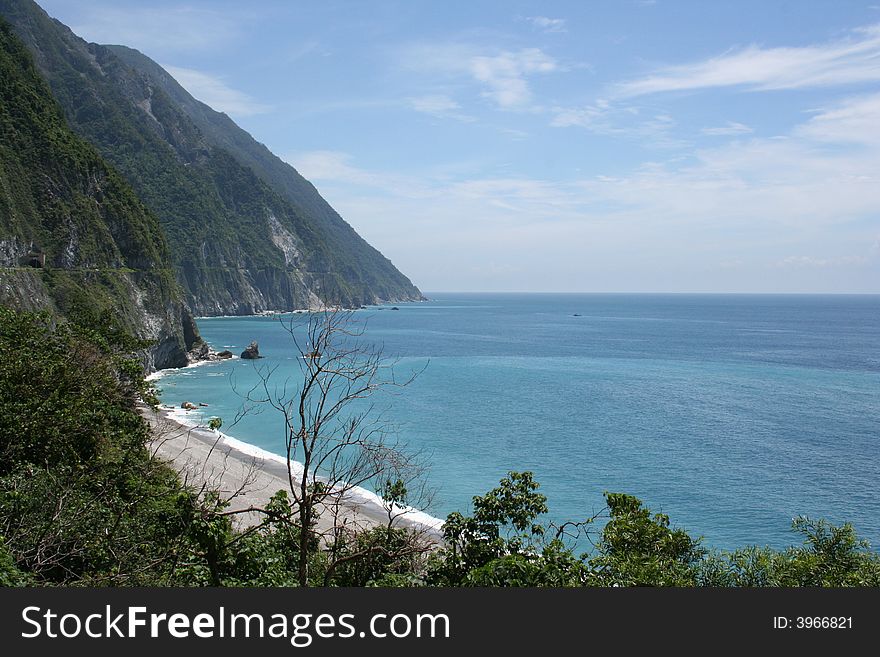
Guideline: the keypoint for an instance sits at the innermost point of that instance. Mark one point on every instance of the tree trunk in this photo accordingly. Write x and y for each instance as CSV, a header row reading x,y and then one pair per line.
x,y
304,521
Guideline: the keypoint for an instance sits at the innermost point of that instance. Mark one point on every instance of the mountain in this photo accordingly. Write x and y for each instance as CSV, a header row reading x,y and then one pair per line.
x,y
246,232
363,260
74,238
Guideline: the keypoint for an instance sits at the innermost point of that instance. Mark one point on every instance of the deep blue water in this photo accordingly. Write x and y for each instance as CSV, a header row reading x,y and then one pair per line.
x,y
730,413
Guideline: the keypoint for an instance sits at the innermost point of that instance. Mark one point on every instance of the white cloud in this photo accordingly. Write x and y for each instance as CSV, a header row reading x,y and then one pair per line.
x,y
731,128
436,104
215,92
588,116
817,178
505,74
728,218
855,59
852,121
603,118
546,24
439,105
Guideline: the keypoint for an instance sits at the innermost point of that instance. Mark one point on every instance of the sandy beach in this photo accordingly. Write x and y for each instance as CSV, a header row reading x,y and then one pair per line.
x,y
207,459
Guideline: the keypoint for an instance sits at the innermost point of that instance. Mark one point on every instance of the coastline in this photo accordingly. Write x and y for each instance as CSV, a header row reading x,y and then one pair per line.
x,y
210,459
380,304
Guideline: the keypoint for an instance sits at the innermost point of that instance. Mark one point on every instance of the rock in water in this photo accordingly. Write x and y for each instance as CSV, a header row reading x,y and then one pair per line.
x,y
224,354
252,351
200,351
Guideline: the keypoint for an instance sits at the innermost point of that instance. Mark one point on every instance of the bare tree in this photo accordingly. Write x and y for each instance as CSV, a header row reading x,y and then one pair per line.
x,y
335,430
403,489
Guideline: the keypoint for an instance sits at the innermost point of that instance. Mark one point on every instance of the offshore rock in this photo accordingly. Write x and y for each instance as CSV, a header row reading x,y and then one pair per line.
x,y
252,351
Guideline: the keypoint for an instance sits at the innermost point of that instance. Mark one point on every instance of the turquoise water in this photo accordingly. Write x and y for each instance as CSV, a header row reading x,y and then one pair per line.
x,y
730,413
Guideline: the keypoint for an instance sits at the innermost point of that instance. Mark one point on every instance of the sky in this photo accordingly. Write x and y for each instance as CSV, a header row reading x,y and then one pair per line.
x,y
584,146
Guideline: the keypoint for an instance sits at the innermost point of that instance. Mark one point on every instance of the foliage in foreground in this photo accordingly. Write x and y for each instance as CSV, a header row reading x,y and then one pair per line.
x,y
82,502
503,544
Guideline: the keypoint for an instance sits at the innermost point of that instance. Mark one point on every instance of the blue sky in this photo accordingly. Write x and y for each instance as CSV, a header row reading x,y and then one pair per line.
x,y
557,146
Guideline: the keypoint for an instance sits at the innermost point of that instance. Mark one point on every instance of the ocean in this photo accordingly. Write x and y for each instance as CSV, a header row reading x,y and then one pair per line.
x,y
730,413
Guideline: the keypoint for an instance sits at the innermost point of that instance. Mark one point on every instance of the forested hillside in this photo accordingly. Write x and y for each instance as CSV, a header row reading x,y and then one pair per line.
x,y
238,242
74,238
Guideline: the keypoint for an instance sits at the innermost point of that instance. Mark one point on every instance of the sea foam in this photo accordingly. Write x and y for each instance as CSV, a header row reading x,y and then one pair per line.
x,y
357,495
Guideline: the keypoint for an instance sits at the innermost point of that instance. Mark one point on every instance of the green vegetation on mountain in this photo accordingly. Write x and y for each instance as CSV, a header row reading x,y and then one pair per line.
x,y
348,251
238,242
74,238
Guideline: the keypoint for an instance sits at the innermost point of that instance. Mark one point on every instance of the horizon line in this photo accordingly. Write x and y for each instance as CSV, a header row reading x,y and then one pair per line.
x,y
694,293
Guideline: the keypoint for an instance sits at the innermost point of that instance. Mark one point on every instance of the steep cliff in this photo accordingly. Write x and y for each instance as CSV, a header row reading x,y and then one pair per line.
x,y
350,253
74,238
246,232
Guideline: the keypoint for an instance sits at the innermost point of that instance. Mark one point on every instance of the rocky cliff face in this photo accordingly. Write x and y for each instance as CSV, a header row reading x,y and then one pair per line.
x,y
362,266
74,238
246,233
